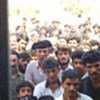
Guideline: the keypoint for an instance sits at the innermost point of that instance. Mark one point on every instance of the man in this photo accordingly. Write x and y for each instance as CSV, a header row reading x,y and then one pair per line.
x,y
77,62
16,76
73,41
34,71
24,88
51,86
63,56
70,84
23,60
13,41
91,84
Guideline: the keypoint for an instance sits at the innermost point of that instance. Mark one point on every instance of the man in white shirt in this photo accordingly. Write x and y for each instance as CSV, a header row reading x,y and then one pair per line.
x,y
70,84
51,86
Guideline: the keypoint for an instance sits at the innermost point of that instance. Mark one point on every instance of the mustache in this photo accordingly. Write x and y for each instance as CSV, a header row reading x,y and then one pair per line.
x,y
73,92
94,73
63,59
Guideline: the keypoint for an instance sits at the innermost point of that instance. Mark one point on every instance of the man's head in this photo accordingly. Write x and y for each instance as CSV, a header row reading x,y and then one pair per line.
x,y
13,41
22,43
77,62
70,83
41,49
73,42
24,89
23,60
63,55
14,59
91,60
51,69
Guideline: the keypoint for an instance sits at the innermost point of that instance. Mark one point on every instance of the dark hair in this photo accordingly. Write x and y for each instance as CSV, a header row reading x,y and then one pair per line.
x,y
94,42
77,54
91,56
24,55
24,84
50,62
70,74
46,97
73,38
14,53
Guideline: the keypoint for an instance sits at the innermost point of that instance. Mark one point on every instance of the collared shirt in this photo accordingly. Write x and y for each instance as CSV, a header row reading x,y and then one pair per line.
x,y
41,89
80,97
14,82
87,87
69,66
34,73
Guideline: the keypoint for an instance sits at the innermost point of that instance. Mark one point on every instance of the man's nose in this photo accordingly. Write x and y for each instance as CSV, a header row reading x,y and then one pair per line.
x,y
72,87
94,69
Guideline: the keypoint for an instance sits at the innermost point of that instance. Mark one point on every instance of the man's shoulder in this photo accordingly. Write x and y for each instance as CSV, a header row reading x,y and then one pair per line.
x,y
86,80
84,97
60,97
40,86
33,63
43,83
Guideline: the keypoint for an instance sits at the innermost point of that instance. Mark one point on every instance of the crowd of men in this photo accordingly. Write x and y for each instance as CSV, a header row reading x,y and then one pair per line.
x,y
49,62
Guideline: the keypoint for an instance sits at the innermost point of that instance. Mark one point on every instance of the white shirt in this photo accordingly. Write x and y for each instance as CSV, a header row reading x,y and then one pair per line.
x,y
41,90
80,97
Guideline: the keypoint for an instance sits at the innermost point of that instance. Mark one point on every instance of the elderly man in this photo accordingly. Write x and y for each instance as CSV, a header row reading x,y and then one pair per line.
x,y
34,71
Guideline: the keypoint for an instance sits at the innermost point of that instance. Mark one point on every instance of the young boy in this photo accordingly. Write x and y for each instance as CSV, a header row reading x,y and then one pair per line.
x,y
24,89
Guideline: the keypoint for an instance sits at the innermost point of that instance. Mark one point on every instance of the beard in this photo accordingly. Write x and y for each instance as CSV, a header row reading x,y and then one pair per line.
x,y
95,75
22,69
63,63
72,94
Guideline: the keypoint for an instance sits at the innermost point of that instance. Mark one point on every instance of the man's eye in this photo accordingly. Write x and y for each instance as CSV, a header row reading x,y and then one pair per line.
x,y
68,84
97,65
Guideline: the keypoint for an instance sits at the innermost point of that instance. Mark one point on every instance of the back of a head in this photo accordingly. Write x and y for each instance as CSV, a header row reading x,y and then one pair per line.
x,y
91,57
70,74
46,97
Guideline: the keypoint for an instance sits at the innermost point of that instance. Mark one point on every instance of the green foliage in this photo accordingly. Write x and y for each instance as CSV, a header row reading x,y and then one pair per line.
x,y
74,7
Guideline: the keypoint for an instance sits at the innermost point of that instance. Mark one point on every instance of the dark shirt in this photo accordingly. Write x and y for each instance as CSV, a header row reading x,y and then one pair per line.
x,y
86,87
15,81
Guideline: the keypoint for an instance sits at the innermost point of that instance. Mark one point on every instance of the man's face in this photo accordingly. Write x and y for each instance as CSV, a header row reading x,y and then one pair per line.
x,y
25,91
77,64
72,44
63,57
71,86
23,64
93,69
13,60
22,44
13,42
42,53
52,74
